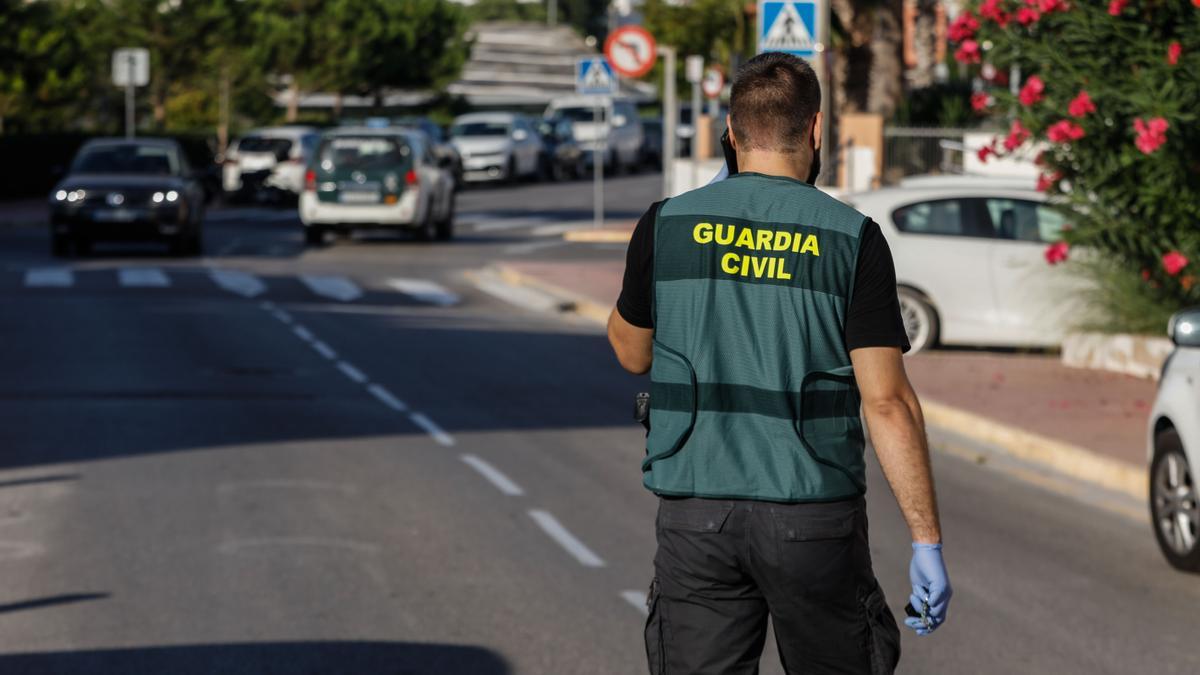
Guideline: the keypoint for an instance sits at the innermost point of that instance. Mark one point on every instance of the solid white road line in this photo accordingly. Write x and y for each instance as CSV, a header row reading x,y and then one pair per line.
x,y
338,288
494,476
143,276
385,397
439,434
352,372
637,599
425,290
324,349
302,333
59,277
236,281
565,539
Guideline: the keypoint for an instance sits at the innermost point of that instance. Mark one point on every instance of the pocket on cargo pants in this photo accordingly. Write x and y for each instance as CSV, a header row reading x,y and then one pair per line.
x,y
882,633
656,655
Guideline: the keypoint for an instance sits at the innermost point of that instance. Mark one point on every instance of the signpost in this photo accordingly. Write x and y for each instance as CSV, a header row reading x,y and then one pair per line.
x,y
594,77
801,28
694,72
130,68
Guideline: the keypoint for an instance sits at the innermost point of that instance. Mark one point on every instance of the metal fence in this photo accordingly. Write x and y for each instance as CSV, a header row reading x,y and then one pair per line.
x,y
909,151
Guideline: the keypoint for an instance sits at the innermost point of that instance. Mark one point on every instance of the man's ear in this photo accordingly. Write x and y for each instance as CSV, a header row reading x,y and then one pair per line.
x,y
818,125
729,126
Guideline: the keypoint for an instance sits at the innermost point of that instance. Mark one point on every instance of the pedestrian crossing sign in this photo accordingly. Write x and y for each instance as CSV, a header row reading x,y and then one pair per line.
x,y
787,26
595,76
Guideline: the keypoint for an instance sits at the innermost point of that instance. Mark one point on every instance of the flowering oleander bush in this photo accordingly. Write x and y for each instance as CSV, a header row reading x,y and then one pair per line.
x,y
1111,89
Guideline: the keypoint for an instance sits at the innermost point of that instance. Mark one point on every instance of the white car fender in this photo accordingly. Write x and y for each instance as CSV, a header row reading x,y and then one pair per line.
x,y
1176,403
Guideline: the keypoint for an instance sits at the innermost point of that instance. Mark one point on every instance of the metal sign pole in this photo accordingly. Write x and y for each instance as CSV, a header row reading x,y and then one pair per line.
x,y
670,116
129,115
598,170
824,80
695,154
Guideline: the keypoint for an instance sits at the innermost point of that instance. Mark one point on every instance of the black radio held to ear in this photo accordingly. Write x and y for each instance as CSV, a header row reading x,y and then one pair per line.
x,y
730,154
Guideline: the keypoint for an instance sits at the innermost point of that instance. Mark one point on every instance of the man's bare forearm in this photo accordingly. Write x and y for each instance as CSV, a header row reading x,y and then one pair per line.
x,y
897,429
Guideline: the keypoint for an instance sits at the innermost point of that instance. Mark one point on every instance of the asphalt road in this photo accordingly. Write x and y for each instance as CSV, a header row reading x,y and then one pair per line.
x,y
352,460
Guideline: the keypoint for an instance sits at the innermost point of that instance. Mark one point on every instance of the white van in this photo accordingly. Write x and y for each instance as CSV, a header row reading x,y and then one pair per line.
x,y
619,124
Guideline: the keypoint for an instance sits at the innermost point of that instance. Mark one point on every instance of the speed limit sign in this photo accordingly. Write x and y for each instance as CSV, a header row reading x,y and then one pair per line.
x,y
713,83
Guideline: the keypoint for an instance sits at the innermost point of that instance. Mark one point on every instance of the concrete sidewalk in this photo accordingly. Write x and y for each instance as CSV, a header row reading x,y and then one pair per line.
x,y
1088,425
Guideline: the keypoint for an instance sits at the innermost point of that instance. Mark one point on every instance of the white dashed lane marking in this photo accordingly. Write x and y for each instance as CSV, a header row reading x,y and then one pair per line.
x,y
385,397
494,476
59,277
437,433
352,372
335,287
637,599
565,539
424,290
302,333
147,277
236,281
324,350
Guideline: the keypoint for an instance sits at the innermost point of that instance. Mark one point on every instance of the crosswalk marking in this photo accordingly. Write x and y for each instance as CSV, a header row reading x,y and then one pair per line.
x,y
60,277
338,288
143,276
236,281
425,290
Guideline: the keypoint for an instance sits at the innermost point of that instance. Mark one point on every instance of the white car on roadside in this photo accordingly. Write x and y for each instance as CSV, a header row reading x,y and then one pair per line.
x,y
970,261
497,146
1174,447
603,123
271,158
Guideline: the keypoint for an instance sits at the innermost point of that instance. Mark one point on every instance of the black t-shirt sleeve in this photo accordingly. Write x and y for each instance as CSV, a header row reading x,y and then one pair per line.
x,y
873,316
634,302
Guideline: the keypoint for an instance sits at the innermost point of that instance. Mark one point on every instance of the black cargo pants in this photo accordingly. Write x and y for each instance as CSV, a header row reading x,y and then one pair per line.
x,y
723,566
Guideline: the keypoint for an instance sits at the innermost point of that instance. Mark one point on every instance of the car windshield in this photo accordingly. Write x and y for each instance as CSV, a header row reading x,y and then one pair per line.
x,y
479,129
362,152
128,158
280,147
581,114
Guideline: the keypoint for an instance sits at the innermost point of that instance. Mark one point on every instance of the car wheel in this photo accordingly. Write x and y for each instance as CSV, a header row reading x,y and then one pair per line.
x,y
60,246
314,235
920,320
510,172
445,226
1174,506
428,229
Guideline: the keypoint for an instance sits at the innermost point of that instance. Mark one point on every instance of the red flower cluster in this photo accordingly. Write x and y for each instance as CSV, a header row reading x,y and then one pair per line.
x,y
1174,51
1115,7
1028,15
1049,6
1057,252
1017,135
967,52
980,101
1150,134
1047,181
1031,93
1081,105
1174,262
986,151
964,27
1064,131
990,9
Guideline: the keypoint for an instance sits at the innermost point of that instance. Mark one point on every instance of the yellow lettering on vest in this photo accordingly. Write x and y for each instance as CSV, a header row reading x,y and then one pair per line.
x,y
781,272
745,265
745,239
763,242
810,245
702,233
760,267
725,263
783,240
724,234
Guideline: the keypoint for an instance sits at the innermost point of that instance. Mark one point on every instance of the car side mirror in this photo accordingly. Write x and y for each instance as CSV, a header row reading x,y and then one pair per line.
x,y
520,135
1184,328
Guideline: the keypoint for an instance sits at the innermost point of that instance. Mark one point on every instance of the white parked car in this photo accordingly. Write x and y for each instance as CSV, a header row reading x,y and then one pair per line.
x,y
970,261
1174,447
619,132
367,177
273,158
497,146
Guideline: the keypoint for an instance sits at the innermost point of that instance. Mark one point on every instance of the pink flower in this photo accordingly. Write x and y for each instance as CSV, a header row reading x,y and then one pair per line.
x,y
1115,7
1057,252
980,101
1150,134
1064,131
1174,262
1081,105
1047,181
1032,91
1049,6
990,9
967,52
1174,51
986,151
1017,135
963,28
1027,15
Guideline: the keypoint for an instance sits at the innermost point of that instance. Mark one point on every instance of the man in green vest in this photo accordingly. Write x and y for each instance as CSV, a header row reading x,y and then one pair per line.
x,y
766,314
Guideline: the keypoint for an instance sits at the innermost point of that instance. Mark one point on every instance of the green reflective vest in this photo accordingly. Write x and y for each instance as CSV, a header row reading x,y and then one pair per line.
x,y
752,394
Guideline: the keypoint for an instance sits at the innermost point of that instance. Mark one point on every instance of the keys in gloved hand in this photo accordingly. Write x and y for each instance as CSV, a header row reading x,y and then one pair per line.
x,y
930,588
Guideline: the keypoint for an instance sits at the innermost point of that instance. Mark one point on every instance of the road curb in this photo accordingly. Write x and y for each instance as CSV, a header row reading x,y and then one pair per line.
x,y
569,300
1071,460
600,236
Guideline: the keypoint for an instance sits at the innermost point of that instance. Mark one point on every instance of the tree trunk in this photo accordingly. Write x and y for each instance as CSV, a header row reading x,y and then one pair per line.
x,y
924,44
223,112
887,51
293,101
337,107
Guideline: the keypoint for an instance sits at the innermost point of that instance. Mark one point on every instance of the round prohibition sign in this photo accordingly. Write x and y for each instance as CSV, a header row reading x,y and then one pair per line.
x,y
713,83
631,51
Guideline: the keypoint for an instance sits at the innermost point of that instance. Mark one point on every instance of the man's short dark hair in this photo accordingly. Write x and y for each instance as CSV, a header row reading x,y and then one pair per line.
x,y
774,100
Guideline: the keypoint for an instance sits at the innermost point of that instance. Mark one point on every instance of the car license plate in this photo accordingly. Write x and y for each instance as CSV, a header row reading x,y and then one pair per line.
x,y
115,216
359,197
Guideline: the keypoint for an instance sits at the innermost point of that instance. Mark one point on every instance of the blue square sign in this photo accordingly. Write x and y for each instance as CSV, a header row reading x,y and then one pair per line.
x,y
594,75
787,26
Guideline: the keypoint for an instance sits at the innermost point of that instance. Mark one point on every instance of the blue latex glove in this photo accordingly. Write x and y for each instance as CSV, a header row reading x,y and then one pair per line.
x,y
930,587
